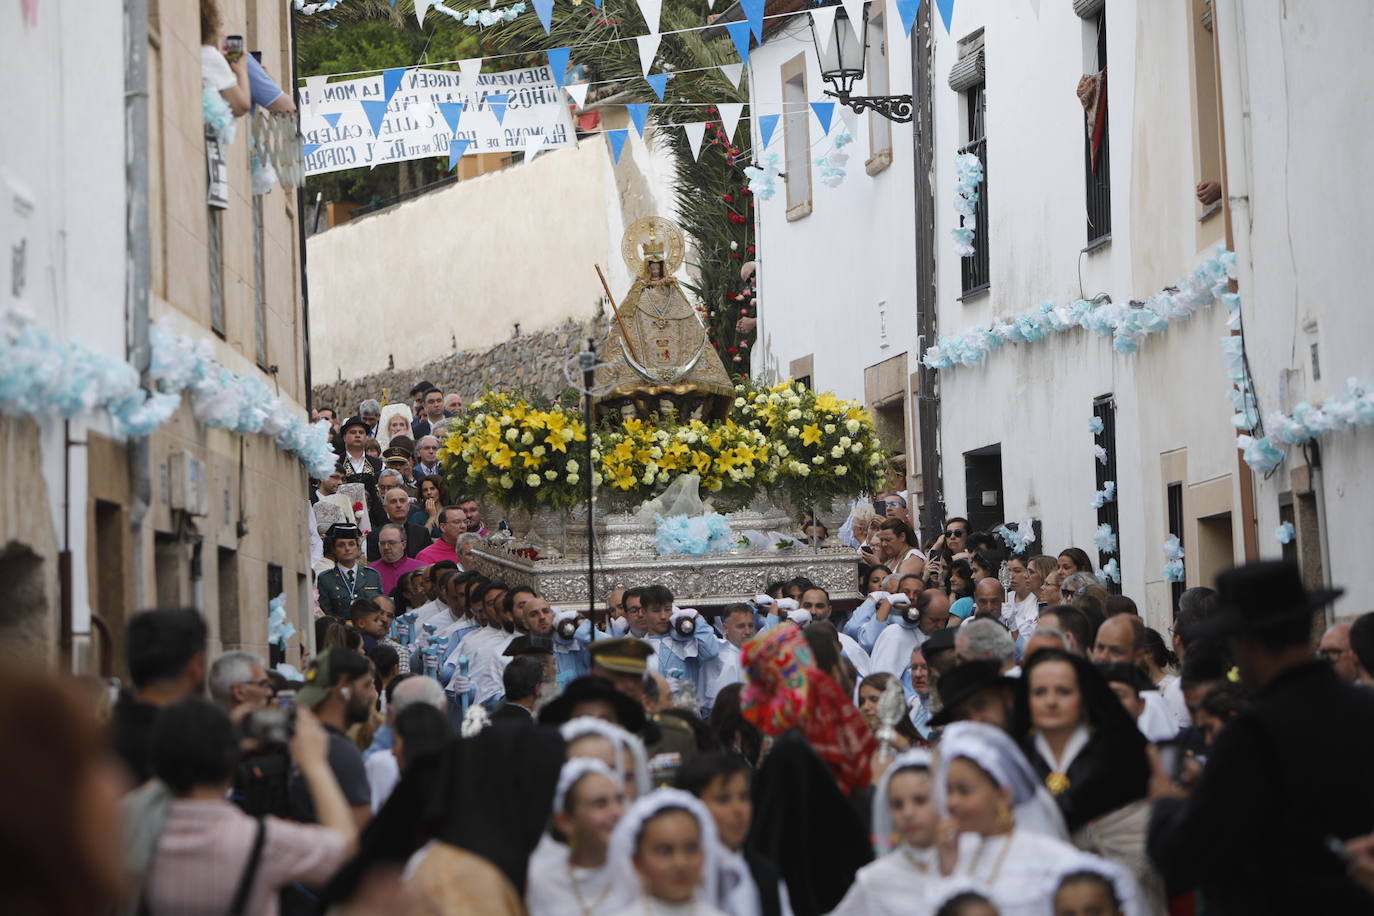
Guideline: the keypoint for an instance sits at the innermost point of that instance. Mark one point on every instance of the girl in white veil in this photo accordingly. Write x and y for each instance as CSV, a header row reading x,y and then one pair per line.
x,y
1003,832
385,433
573,874
634,771
670,837
906,871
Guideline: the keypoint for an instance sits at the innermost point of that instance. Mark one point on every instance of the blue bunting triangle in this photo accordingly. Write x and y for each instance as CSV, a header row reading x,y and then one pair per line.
x,y
908,9
617,138
753,10
544,10
391,81
558,63
451,112
333,119
497,103
824,112
308,148
638,113
946,8
739,31
455,152
375,110
767,123
658,82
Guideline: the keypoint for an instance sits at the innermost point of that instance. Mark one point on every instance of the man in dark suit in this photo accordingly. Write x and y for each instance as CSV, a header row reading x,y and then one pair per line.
x,y
1287,783
424,424
349,579
521,681
359,467
396,505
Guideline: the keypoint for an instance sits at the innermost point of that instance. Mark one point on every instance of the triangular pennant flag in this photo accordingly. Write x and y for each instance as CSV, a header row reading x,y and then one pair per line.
x,y
658,82
558,63
753,11
946,8
766,125
907,10
729,117
333,119
651,9
823,22
421,7
739,31
617,140
695,132
391,81
534,145
451,112
854,9
497,103
468,71
375,112
455,152
578,93
732,73
648,47
825,112
314,87
544,10
638,112
308,148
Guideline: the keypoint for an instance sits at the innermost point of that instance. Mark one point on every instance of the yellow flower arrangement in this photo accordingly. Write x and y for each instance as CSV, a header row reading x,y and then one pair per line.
x,y
810,448
517,453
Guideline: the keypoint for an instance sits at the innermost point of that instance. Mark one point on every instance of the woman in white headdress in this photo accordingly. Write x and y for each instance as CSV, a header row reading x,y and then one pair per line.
x,y
574,876
587,736
1004,833
905,821
1092,885
389,425
670,837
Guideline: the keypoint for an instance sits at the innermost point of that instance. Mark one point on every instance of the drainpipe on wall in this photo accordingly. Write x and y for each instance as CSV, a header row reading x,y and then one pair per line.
x,y
309,399
138,264
932,516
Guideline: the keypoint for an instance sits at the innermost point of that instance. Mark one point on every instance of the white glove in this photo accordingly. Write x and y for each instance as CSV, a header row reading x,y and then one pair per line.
x,y
459,684
620,626
899,599
879,597
786,605
763,601
798,616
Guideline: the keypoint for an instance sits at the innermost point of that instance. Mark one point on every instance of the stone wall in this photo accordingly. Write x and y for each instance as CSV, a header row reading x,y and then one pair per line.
x,y
529,362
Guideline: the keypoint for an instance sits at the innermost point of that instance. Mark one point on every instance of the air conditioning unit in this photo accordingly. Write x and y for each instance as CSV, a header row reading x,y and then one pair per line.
x,y
189,490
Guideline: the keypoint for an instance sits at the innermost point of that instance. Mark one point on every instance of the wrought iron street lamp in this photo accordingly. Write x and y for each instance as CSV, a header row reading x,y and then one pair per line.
x,y
842,62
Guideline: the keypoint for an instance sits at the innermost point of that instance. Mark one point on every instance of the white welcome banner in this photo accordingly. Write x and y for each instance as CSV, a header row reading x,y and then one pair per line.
x,y
338,131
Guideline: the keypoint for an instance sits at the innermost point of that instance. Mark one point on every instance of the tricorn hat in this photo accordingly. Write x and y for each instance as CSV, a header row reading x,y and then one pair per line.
x,y
965,681
590,688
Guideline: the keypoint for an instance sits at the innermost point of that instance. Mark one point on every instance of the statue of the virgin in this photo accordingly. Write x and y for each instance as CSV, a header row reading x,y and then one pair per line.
x,y
659,357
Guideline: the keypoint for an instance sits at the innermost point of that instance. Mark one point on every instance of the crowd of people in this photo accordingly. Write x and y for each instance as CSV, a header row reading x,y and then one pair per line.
x,y
970,732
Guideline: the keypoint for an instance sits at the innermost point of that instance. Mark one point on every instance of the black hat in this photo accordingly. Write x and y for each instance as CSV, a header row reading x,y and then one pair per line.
x,y
397,454
587,688
422,387
343,530
1125,673
354,421
962,682
1258,596
939,641
529,645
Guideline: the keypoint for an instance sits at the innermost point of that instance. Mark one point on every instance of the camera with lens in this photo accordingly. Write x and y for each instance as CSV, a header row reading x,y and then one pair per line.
x,y
685,626
911,615
566,629
270,725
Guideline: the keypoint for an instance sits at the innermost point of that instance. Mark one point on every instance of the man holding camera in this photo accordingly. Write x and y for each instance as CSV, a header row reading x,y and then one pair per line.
x,y
682,639
571,634
340,691
912,625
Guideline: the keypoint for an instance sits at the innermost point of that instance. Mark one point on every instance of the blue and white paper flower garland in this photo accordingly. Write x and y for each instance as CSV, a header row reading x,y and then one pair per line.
x,y
763,177
1173,559
968,175
1019,540
225,400
1127,325
1353,408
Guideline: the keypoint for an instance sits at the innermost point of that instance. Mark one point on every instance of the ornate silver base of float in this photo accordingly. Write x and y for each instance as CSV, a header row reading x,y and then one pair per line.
x,y
626,558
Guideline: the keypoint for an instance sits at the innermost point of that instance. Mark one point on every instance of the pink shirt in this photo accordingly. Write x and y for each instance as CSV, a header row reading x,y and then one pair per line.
x,y
203,852
391,572
439,550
